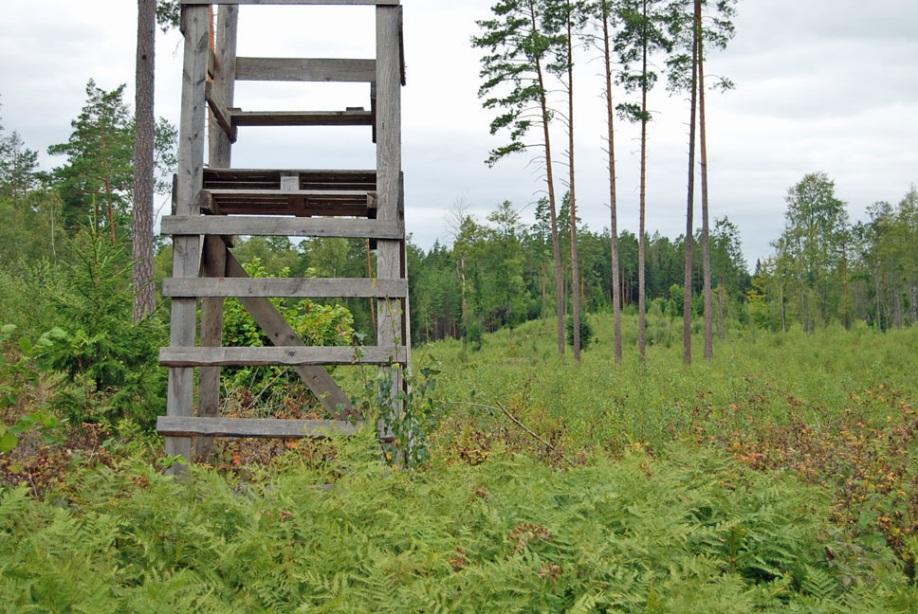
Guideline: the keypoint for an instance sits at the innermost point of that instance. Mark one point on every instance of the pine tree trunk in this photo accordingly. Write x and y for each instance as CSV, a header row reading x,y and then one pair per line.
x,y
144,295
690,203
613,191
552,206
642,302
575,264
705,217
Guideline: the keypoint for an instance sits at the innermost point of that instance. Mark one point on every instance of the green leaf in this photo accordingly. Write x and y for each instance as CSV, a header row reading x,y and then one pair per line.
x,y
8,441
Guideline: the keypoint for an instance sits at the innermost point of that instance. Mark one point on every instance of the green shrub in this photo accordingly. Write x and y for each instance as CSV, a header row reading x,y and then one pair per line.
x,y
110,363
20,380
586,331
316,324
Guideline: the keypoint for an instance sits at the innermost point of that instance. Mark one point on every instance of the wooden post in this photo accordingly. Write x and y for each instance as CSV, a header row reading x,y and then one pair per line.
x,y
187,249
220,156
389,329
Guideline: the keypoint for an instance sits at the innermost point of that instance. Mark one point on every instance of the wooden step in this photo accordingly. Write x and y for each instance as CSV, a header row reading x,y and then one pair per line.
x,y
228,226
175,426
280,356
311,70
270,179
300,118
300,203
213,287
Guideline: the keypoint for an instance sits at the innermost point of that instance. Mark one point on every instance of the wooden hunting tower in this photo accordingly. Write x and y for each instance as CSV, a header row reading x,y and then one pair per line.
x,y
214,202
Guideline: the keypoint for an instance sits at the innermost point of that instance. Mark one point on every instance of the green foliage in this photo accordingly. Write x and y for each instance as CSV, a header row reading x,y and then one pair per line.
x,y
408,415
586,332
108,361
168,14
516,43
688,534
20,379
18,165
96,180
315,324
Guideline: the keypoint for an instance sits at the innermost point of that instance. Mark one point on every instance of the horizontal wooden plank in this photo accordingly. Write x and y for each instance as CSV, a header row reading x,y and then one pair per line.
x,y
279,356
324,194
312,70
214,287
281,227
295,2
301,118
187,426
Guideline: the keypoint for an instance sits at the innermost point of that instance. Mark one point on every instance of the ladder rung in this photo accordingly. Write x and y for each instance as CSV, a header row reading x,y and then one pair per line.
x,y
230,226
181,426
301,118
314,70
215,287
280,356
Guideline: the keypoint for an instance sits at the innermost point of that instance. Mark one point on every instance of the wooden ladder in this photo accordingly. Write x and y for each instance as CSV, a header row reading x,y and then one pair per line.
x,y
214,203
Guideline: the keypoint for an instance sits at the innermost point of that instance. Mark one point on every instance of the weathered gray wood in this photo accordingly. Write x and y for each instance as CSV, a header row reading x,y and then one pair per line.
x,y
252,194
211,335
283,356
300,118
219,112
312,70
296,2
287,288
273,324
256,428
281,227
390,331
186,250
220,94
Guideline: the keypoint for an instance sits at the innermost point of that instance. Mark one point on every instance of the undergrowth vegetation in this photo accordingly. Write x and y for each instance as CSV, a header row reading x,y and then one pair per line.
x,y
780,477
688,532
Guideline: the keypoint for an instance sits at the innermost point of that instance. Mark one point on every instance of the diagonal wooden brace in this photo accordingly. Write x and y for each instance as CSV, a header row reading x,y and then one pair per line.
x,y
270,320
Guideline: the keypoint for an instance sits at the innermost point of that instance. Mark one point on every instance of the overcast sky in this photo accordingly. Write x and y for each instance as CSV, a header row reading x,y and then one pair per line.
x,y
822,85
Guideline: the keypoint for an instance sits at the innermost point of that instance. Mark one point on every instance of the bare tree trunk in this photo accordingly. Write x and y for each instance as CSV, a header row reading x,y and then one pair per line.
x,y
897,306
145,127
642,302
879,294
690,203
111,212
705,217
575,264
846,311
552,206
613,190
372,301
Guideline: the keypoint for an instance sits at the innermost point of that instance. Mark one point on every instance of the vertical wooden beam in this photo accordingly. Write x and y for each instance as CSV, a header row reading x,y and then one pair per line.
x,y
187,249
224,81
219,156
389,330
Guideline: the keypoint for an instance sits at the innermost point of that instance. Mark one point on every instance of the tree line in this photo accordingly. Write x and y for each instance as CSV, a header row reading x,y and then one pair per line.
x,y
529,50
826,269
